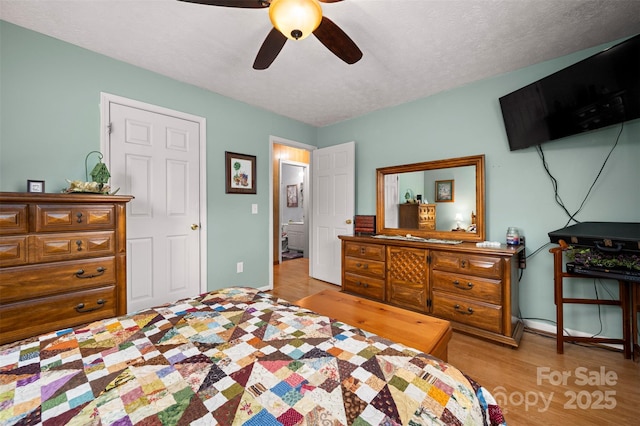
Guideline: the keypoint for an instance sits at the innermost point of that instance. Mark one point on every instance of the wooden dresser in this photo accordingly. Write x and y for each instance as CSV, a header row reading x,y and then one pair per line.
x,y
475,288
62,261
417,216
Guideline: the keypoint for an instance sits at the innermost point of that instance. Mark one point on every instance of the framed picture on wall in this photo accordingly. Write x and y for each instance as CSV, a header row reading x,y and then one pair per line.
x,y
444,191
292,195
240,173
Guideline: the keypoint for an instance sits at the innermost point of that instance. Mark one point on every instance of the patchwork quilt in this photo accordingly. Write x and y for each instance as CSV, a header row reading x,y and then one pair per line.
x,y
235,356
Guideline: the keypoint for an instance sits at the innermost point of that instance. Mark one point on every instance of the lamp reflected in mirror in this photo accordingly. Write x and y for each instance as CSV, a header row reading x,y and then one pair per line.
x,y
458,220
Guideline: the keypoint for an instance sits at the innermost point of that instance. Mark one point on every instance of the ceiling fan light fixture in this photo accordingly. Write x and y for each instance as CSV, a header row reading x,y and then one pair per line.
x,y
296,19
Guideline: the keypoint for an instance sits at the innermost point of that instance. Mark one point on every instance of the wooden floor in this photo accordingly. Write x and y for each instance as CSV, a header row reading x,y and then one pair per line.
x,y
533,384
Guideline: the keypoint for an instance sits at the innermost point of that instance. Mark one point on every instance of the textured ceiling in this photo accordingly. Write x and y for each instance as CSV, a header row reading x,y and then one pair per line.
x,y
412,48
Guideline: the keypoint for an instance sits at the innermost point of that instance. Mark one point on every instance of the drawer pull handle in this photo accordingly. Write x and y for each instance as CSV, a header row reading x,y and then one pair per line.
x,y
80,306
457,284
362,250
79,216
100,271
360,265
469,311
79,244
463,264
365,285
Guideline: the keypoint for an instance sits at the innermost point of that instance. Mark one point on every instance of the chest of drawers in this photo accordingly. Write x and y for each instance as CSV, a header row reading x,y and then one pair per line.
x,y
62,261
474,288
417,216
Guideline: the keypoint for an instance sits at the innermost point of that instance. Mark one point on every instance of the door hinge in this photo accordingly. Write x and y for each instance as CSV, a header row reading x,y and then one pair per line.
x,y
109,128
428,259
428,303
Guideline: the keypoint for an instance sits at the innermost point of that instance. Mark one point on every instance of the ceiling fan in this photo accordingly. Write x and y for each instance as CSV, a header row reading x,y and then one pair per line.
x,y
295,20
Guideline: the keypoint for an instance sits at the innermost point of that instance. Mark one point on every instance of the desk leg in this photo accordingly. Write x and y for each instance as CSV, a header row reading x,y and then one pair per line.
x,y
635,304
626,314
558,298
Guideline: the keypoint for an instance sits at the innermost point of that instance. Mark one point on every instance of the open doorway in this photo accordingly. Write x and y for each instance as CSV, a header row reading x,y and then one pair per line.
x,y
294,223
288,153
280,148
330,198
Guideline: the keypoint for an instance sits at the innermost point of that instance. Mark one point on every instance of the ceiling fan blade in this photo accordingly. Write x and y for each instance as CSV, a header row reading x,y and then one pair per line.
x,y
246,4
337,41
270,48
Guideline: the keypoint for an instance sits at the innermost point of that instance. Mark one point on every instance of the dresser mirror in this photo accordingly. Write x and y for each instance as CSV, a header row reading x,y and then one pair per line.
x,y
441,199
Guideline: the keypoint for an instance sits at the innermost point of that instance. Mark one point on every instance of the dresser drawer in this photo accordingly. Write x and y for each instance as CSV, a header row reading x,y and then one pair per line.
x,y
32,317
51,218
366,286
45,248
365,251
359,266
13,251
467,311
468,286
408,295
62,277
481,266
14,219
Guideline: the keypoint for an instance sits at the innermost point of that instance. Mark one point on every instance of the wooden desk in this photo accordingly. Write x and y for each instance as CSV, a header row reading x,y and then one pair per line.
x,y
624,302
427,334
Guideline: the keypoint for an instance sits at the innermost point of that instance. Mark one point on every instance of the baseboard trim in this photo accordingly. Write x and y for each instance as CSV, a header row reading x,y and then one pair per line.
x,y
550,330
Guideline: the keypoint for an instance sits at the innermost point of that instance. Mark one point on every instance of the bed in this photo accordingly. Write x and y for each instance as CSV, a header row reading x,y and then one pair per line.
x,y
235,356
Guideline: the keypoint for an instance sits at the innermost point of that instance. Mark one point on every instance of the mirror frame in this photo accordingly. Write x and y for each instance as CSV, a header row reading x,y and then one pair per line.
x,y
475,160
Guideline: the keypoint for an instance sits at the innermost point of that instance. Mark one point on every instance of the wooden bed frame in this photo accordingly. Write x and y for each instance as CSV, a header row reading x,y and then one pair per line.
x,y
416,330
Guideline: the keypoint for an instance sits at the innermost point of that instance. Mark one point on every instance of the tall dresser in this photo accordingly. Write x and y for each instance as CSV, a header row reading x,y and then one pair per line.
x,y
417,216
62,261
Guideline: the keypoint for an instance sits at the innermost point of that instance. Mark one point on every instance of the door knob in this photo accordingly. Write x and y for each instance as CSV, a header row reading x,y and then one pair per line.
x,y
348,221
194,226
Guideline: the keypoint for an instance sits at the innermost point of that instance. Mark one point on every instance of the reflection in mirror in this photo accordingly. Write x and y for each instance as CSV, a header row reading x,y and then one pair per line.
x,y
438,199
456,200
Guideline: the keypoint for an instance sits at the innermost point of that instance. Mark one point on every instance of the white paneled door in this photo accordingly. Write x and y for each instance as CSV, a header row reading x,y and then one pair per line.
x,y
333,180
156,158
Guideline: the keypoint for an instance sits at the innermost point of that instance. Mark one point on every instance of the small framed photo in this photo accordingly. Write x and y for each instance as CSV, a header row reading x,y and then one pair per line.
x,y
240,173
444,191
35,185
292,195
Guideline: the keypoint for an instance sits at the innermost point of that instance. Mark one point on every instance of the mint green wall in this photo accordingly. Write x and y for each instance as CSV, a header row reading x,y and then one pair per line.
x,y
468,121
50,117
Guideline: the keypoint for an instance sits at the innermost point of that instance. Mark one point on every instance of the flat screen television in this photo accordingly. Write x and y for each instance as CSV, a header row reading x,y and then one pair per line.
x,y
599,91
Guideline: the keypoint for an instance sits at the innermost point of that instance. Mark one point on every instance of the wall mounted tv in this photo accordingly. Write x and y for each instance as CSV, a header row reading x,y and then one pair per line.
x,y
596,92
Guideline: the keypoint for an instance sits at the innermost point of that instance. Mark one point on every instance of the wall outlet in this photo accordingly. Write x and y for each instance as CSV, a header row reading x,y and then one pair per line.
x,y
239,267
254,209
